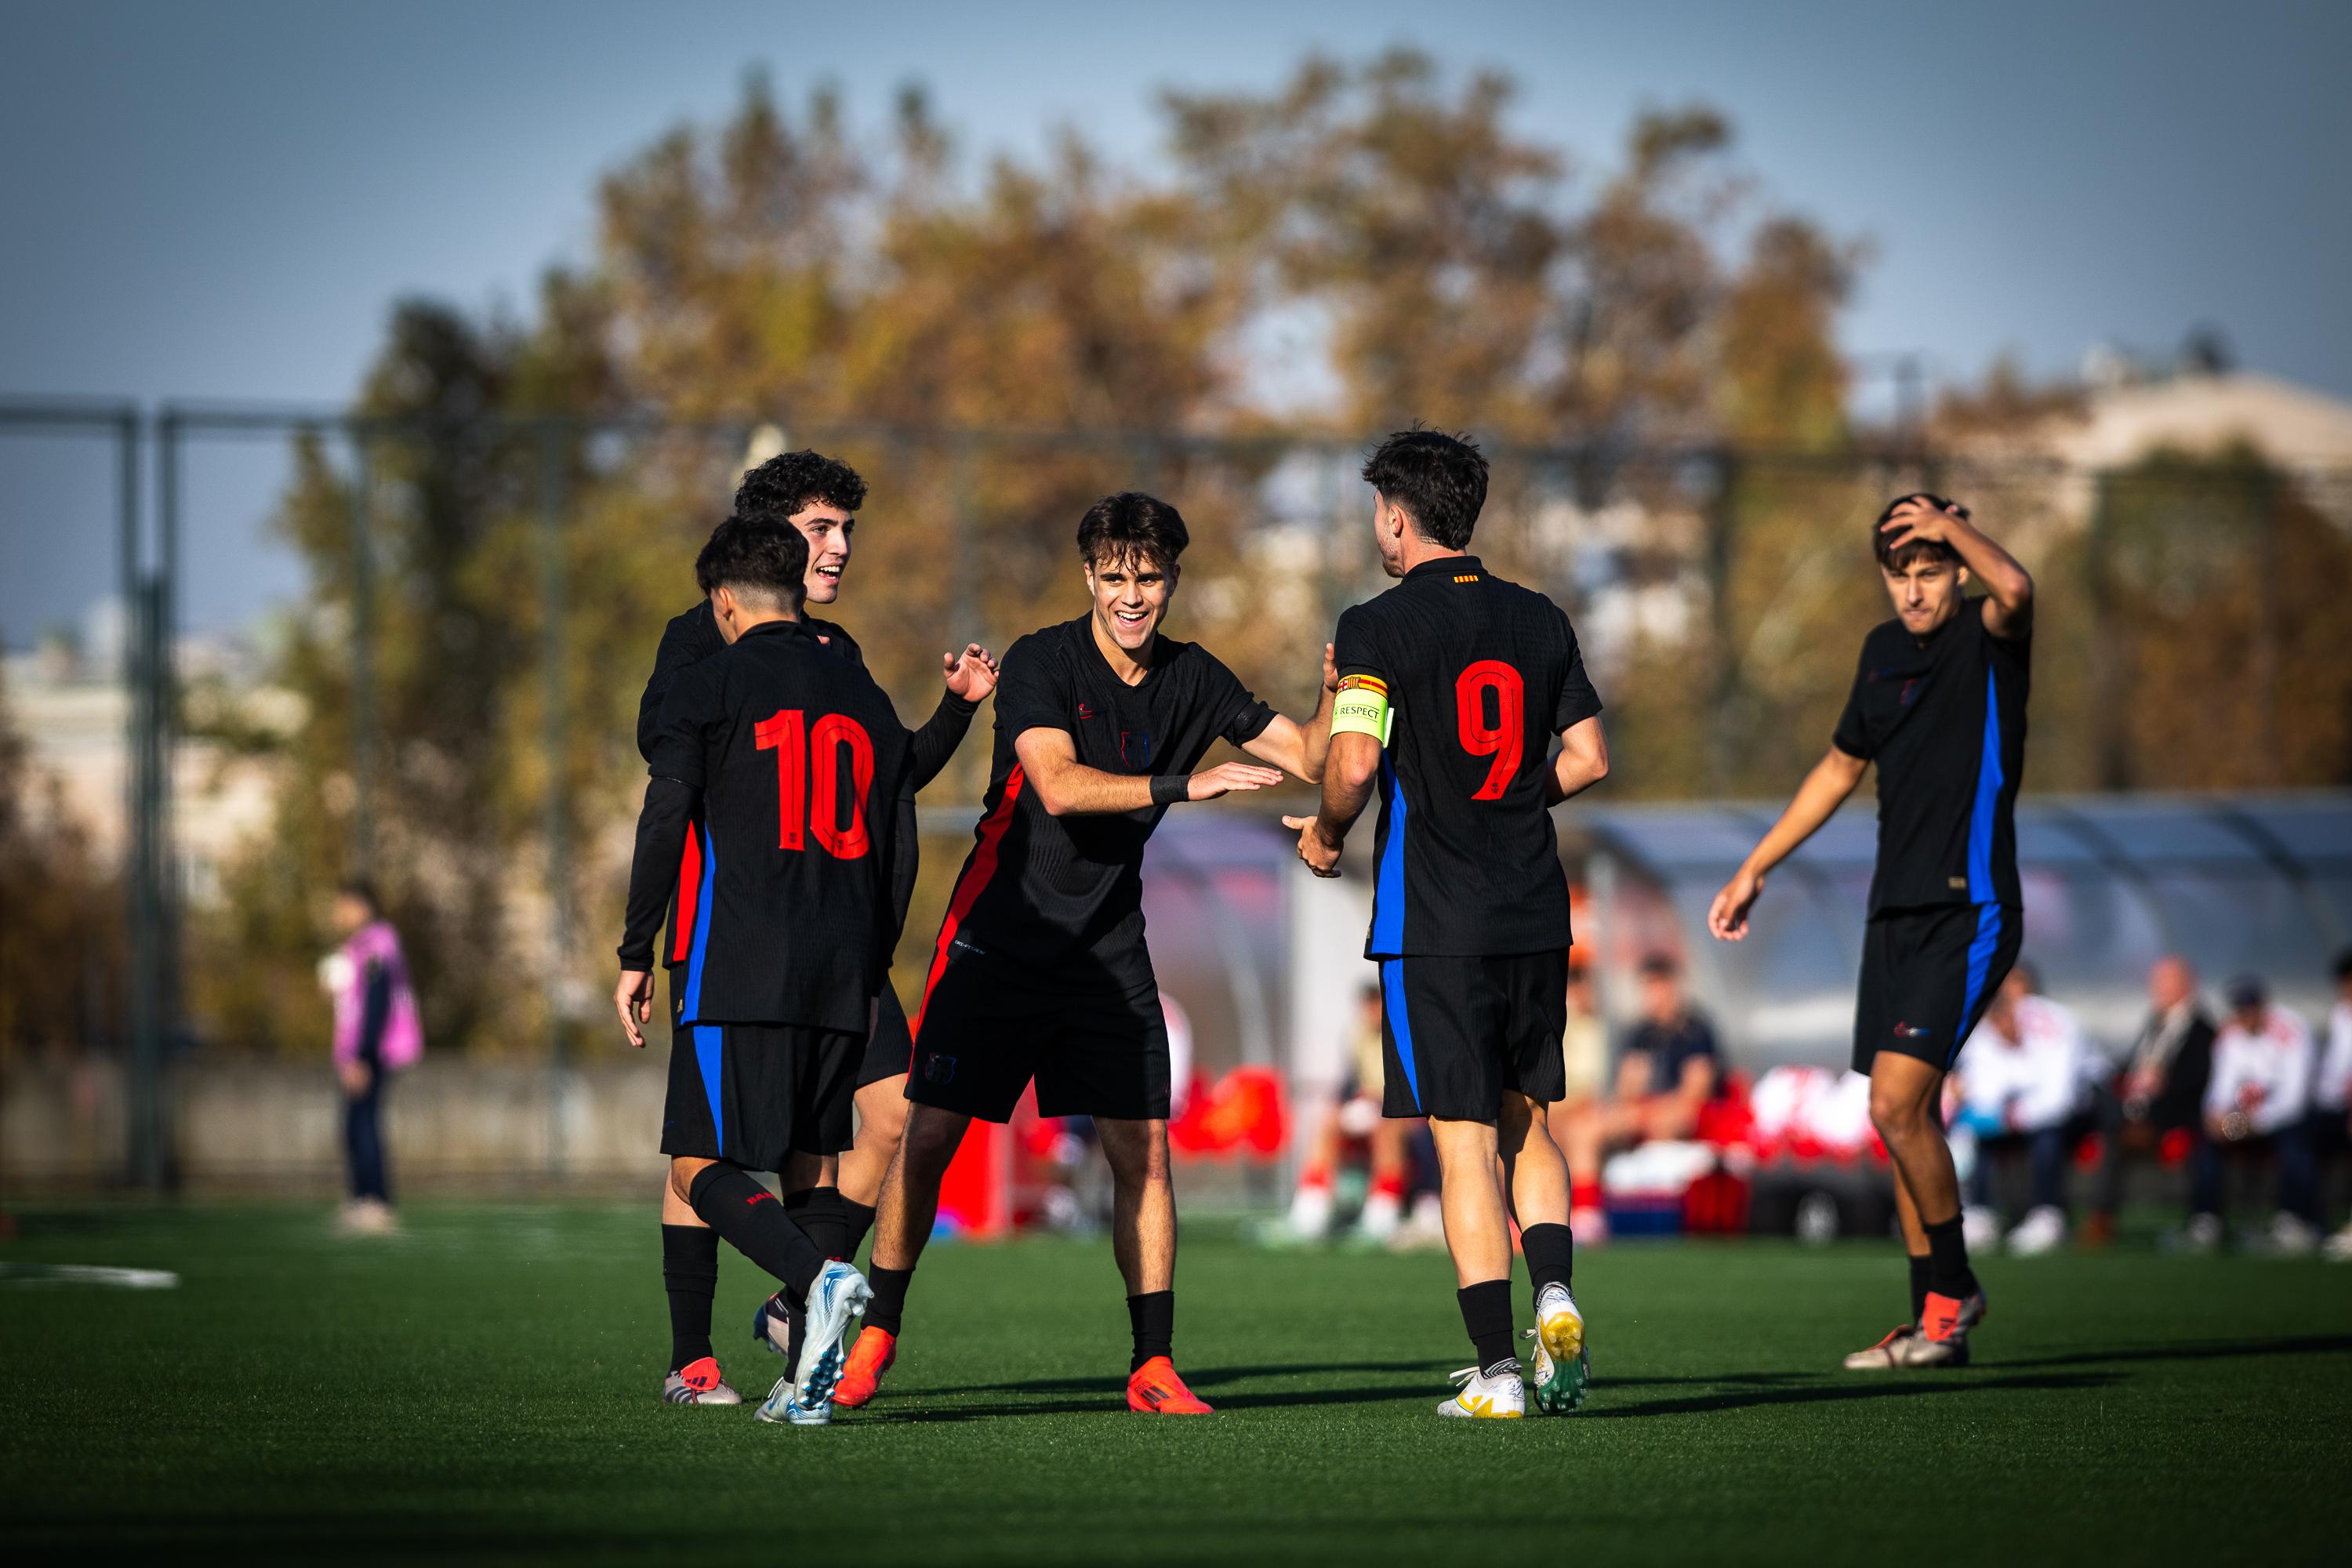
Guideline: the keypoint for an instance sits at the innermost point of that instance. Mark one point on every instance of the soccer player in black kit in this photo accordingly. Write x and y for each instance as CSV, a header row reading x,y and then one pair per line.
x,y
1040,971
833,1201
1452,687
785,767
1938,704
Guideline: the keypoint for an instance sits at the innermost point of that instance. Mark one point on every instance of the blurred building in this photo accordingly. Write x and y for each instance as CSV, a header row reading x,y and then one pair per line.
x,y
67,699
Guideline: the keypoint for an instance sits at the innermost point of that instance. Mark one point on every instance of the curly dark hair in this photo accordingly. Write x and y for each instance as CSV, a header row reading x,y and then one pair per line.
x,y
1132,527
1900,557
784,484
1440,481
756,557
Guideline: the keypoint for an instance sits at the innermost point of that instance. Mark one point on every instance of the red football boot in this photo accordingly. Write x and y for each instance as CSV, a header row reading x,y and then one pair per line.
x,y
870,1358
1154,1389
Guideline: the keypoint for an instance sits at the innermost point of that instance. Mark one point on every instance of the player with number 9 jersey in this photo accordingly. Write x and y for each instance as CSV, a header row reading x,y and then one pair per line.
x,y
782,783
1450,688
1478,675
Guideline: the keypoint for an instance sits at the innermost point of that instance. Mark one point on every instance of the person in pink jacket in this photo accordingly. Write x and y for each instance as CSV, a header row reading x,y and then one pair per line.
x,y
376,1035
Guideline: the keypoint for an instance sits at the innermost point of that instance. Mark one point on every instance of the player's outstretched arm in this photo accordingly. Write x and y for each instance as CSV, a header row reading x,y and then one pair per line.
x,y
1299,749
1348,773
2008,589
970,676
1067,787
1818,798
1584,760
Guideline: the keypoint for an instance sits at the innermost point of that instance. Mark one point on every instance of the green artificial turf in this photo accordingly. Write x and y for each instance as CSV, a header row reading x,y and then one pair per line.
x,y
485,1385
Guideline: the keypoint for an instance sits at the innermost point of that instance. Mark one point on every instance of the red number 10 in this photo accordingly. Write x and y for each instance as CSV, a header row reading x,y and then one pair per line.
x,y
1507,741
808,767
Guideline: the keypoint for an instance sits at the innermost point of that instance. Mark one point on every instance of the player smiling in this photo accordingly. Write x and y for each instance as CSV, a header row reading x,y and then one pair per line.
x,y
1040,971
1938,704
819,496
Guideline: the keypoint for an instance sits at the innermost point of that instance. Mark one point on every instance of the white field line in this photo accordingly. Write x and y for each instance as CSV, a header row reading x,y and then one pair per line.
x,y
87,1274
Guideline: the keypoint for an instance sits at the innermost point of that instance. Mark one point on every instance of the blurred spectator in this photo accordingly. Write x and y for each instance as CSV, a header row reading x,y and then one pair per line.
x,y
1356,1118
1669,1070
2020,1078
1584,1053
376,1035
2331,1093
2255,1106
2160,1095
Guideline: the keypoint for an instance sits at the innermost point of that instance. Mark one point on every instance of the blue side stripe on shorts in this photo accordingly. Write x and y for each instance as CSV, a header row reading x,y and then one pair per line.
x,y
707,1054
1400,1022
1980,952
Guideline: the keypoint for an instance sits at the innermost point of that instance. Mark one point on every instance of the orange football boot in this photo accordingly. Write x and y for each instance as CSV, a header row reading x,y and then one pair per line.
x,y
870,1358
1154,1389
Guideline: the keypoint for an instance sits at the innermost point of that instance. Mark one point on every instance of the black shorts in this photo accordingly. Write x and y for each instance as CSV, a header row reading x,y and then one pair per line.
x,y
1927,977
755,1093
1458,1031
890,1048
988,1028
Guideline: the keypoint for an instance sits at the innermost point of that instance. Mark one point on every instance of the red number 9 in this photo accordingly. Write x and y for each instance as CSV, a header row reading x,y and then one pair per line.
x,y
1506,741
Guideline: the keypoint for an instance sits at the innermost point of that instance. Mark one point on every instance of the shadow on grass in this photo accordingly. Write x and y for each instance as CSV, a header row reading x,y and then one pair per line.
x,y
2193,1349
1903,1388
1731,1390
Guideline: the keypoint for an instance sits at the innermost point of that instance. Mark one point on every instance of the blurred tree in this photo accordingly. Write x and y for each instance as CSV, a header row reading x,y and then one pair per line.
x,y
2214,638
782,267
62,935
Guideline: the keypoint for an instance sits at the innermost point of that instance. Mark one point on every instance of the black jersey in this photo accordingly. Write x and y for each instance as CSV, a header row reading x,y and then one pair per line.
x,y
692,637
781,780
1481,673
1944,718
1064,895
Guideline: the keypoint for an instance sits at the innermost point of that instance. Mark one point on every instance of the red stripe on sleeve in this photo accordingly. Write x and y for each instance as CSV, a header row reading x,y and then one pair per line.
x,y
689,892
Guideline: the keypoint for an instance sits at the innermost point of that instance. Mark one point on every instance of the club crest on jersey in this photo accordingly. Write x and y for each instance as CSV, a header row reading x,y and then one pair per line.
x,y
1135,748
938,1069
1086,710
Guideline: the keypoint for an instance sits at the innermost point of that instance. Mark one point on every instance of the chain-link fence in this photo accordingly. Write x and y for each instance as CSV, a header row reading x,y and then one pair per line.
x,y
447,703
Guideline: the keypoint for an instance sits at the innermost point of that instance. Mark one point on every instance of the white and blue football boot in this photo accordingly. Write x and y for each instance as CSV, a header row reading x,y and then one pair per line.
x,y
805,1397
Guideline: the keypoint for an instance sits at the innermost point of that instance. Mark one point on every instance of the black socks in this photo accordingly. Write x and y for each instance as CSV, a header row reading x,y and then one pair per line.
x,y
1486,1313
1152,1317
1919,1290
818,1211
1551,1255
1948,1261
690,1275
857,1220
752,1220
889,1303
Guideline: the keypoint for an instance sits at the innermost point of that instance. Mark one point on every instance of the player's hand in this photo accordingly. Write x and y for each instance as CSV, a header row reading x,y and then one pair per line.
x,y
634,996
1921,519
1322,855
1226,777
356,1076
1728,916
971,674
1330,669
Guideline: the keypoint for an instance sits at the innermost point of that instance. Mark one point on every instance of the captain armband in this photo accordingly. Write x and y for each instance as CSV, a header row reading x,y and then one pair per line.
x,y
1361,708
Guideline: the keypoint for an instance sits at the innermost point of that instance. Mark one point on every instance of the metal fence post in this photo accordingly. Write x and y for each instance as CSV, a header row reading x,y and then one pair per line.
x,y
553,500
363,653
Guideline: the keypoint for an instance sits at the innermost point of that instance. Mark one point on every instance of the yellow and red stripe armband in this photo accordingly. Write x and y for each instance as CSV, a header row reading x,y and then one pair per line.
x,y
1361,708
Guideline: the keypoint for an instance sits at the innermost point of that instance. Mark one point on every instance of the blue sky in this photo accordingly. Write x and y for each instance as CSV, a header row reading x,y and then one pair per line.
x,y
223,200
